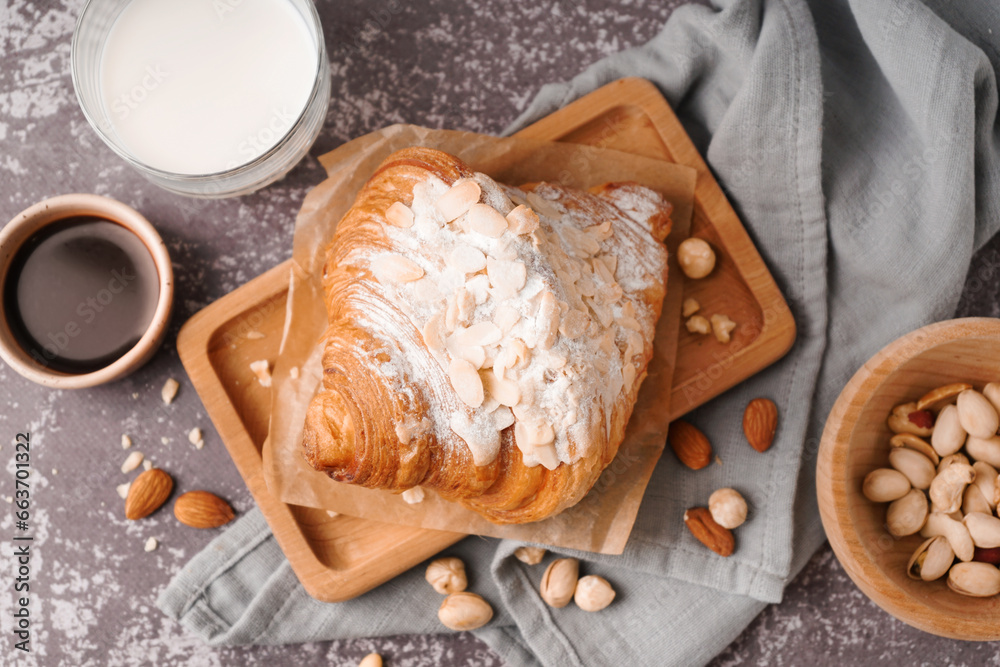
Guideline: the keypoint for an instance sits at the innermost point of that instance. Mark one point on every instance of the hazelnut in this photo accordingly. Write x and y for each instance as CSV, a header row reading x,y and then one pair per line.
x,y
464,611
728,508
447,575
529,555
593,593
696,258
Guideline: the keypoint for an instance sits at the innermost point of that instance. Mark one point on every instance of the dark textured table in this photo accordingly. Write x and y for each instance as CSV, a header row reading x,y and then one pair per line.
x,y
472,64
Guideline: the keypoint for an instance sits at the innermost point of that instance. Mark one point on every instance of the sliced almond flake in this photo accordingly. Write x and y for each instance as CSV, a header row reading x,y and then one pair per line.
x,y
490,405
126,441
147,465
480,333
262,369
466,259
465,301
585,286
504,249
393,268
413,496
574,324
503,418
522,220
547,456
634,344
554,360
628,376
600,232
544,206
601,270
608,295
479,287
611,263
604,314
505,317
399,215
547,321
458,199
482,436
466,382
630,323
426,290
122,490
169,391
255,335
506,392
508,277
432,333
194,435
487,221
628,309
132,461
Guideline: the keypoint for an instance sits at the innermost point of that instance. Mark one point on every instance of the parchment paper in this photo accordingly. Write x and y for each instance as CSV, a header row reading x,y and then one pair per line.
x,y
601,522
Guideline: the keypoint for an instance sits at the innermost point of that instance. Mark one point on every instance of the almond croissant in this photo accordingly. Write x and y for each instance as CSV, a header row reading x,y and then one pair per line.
x,y
485,342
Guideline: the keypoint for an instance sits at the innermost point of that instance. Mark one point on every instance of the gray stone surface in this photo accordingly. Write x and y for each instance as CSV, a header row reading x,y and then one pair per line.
x,y
470,65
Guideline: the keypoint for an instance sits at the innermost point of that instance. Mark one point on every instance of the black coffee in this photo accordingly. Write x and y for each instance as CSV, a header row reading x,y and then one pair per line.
x,y
80,294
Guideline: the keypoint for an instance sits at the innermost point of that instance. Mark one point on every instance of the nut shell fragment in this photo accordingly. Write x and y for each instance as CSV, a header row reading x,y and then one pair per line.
x,y
937,398
931,560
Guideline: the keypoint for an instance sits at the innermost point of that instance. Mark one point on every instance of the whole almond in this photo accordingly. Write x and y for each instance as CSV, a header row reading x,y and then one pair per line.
x,y
760,421
147,493
701,524
201,509
690,445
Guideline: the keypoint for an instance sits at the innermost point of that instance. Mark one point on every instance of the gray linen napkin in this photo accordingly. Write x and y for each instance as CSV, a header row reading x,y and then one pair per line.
x,y
858,142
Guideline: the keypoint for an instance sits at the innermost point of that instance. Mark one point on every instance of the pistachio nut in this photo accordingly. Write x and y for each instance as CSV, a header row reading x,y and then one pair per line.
x,y
949,485
593,593
559,581
977,414
907,515
447,575
986,450
917,444
986,481
899,421
984,529
954,531
464,611
529,555
992,394
917,467
884,485
981,580
931,560
949,434
952,459
974,501
937,398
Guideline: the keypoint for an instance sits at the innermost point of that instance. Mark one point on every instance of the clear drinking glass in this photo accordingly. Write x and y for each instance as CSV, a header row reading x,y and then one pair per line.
x,y
91,34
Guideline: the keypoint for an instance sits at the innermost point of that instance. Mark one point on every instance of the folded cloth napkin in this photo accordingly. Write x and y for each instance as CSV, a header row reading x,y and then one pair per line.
x,y
858,142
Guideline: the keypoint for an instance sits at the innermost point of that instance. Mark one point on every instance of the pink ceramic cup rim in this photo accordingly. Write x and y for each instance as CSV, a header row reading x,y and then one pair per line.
x,y
34,218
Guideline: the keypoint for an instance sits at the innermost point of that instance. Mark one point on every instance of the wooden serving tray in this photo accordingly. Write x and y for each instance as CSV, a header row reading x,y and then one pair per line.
x,y
339,557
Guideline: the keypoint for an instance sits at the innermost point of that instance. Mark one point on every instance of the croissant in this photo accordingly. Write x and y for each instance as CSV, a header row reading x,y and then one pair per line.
x,y
484,341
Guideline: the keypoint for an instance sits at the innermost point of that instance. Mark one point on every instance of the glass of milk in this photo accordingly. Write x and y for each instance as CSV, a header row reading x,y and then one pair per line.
x,y
207,98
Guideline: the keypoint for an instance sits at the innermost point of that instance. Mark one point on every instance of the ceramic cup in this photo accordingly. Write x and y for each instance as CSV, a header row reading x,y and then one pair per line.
x,y
32,220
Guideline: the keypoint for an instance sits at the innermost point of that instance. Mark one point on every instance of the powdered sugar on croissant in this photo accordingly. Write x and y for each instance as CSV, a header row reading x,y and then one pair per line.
x,y
498,319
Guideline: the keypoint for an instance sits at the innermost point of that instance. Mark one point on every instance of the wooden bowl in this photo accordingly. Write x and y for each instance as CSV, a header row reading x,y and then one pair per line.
x,y
856,441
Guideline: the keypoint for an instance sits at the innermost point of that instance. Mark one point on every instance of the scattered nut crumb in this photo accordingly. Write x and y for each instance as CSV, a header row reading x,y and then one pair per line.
x,y
122,489
169,391
132,462
126,441
151,544
262,369
293,372
722,326
698,324
135,395
195,437
718,460
165,440
414,495
690,307
147,465
9,499
254,335
55,471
